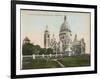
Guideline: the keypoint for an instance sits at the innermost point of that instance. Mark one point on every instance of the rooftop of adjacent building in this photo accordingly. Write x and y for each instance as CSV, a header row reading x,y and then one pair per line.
x,y
26,39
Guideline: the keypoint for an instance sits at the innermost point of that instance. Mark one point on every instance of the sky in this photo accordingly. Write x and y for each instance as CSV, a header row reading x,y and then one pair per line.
x,y
33,25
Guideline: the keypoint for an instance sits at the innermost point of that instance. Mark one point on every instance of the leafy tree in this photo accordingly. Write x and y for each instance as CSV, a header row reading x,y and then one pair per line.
x,y
49,51
27,49
37,49
42,51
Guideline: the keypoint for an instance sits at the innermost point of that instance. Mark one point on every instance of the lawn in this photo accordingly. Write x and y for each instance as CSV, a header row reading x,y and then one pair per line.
x,y
40,63
67,61
75,61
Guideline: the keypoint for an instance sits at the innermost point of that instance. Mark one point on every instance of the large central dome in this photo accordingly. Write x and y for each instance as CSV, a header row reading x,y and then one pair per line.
x,y
64,26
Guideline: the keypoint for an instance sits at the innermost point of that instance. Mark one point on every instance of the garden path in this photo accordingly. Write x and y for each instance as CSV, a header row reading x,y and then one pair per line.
x,y
58,62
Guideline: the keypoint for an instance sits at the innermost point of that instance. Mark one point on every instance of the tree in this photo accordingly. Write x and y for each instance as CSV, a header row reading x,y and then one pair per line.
x,y
42,51
49,51
37,49
27,49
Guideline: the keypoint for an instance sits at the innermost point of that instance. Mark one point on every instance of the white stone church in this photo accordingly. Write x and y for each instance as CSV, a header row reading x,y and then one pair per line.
x,y
65,45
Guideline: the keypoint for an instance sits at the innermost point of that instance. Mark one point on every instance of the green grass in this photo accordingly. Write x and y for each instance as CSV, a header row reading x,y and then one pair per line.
x,y
75,61
40,63
72,61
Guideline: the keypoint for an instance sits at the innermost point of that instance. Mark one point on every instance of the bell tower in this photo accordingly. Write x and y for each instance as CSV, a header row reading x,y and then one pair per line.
x,y
46,38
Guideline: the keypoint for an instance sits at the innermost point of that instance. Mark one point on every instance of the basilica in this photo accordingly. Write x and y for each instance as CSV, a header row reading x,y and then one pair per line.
x,y
65,45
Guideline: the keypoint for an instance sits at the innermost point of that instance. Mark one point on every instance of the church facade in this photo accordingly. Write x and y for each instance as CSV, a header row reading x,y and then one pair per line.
x,y
65,45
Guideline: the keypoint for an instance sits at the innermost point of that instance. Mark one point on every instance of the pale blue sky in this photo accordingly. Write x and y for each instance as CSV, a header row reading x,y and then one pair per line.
x,y
33,24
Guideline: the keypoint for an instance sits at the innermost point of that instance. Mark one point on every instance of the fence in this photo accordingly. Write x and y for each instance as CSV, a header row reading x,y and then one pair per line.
x,y
34,56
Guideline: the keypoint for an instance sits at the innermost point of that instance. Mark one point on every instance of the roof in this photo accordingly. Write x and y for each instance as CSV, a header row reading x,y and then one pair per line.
x,y
65,26
26,39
